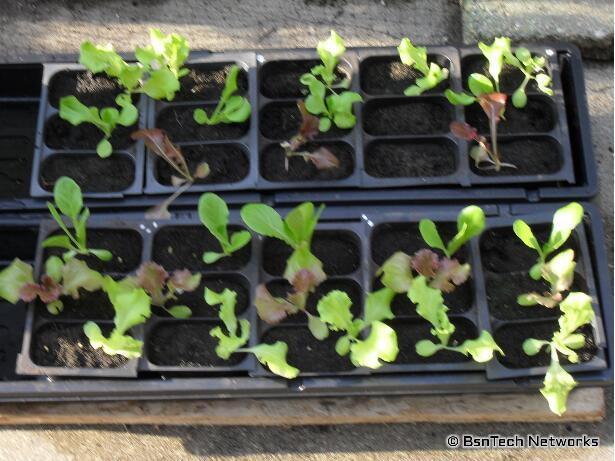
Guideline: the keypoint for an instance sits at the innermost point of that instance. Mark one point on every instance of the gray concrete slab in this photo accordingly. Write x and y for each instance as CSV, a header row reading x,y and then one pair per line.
x,y
586,23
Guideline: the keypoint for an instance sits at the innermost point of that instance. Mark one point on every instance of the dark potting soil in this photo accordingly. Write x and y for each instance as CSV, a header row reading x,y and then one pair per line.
x,y
458,301
397,159
17,129
60,134
93,305
273,166
388,75
536,117
92,90
503,290
178,122
306,352
218,283
280,79
186,344
205,82
182,247
66,345
126,246
338,250
388,238
412,116
534,156
18,242
281,121
92,173
511,337
510,77
502,251
228,163
409,332
281,288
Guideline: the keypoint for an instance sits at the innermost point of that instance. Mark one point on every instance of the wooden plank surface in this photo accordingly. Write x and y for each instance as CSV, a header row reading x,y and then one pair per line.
x,y
583,405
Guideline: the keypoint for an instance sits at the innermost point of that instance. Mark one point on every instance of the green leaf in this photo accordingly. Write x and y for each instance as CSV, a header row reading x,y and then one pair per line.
x,y
53,268
13,278
214,215
564,221
381,344
116,344
532,346
302,259
299,222
103,255
495,55
544,81
576,311
77,275
229,344
334,309
523,55
324,124
412,56
161,84
200,117
426,348
334,46
130,77
101,59
524,232
239,240
76,113
556,386
57,241
459,99
132,305
378,306
559,271
430,306
396,272
104,148
317,327
180,312
430,234
470,223
227,300
519,98
55,307
479,85
480,349
273,356
129,114
342,346
238,113
210,257
68,198
264,220
315,105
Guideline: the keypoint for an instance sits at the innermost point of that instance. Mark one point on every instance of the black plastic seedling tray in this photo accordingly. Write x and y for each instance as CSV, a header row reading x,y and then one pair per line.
x,y
363,222
560,125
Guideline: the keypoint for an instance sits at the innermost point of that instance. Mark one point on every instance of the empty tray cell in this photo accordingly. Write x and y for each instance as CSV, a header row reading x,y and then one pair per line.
x,y
280,79
307,353
60,134
178,122
409,332
92,90
538,116
388,75
20,80
17,242
195,300
510,77
540,155
182,247
17,128
186,344
205,82
407,116
92,173
281,288
125,245
280,121
57,344
273,163
510,338
339,252
228,163
411,158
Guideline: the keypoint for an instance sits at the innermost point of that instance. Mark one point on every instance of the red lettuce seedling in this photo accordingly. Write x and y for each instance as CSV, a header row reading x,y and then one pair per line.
x,y
231,108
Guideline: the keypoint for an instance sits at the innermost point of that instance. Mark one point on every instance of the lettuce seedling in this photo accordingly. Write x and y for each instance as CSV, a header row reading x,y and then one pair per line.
x,y
380,344
322,158
13,278
132,307
559,274
232,108
576,311
163,287
295,230
564,221
232,341
470,223
69,201
416,58
214,215
76,113
335,107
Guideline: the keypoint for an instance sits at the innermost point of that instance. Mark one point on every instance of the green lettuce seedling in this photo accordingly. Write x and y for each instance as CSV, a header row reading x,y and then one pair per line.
x,y
69,201
214,215
416,58
231,341
381,343
576,311
132,307
232,108
335,107
470,223
559,274
295,230
564,221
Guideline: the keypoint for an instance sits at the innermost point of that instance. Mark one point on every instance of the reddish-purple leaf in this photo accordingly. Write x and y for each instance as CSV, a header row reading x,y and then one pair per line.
x,y
450,274
463,130
48,290
426,263
304,281
324,159
152,278
159,143
493,104
184,280
271,310
309,124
